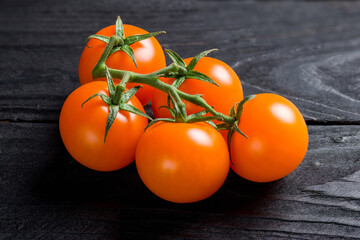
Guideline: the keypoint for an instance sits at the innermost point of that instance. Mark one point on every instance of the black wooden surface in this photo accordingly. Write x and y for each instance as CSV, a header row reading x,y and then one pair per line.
x,y
307,51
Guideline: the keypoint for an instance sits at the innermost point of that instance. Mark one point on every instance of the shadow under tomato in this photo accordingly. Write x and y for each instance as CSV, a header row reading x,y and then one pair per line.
x,y
119,202
61,179
236,195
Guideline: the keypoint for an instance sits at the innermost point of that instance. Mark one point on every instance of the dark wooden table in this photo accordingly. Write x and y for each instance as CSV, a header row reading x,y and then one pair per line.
x,y
307,51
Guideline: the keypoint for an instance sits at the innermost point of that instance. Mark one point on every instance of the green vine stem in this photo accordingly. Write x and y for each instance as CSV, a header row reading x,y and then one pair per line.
x,y
100,66
153,81
177,70
120,88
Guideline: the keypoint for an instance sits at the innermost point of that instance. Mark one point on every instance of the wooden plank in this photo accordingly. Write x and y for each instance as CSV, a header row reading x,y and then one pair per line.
x,y
305,51
46,194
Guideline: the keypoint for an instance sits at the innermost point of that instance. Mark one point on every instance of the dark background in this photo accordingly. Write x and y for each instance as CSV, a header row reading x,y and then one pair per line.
x,y
306,51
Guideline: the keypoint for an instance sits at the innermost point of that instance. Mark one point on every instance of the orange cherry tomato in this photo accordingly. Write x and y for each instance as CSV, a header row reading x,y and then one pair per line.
x,y
149,56
278,139
182,162
82,129
222,98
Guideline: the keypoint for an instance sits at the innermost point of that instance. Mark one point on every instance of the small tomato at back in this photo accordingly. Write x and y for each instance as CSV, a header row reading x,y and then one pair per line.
x,y
149,56
278,139
222,98
182,162
82,129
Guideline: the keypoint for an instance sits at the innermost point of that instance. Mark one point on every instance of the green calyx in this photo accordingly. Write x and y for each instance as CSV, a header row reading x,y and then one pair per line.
x,y
235,112
121,43
178,70
117,99
185,72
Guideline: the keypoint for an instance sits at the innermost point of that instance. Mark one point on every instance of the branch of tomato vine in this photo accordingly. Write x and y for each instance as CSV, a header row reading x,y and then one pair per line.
x,y
177,70
154,81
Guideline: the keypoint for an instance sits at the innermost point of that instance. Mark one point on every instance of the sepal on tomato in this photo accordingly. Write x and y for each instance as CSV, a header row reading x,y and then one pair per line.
x,y
200,76
123,43
132,109
196,59
91,97
235,112
175,57
128,50
119,29
110,82
241,104
113,111
98,37
126,96
211,123
185,72
171,111
136,38
117,100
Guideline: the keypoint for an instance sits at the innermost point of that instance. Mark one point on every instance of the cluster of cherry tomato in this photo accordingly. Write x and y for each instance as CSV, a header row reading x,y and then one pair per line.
x,y
178,161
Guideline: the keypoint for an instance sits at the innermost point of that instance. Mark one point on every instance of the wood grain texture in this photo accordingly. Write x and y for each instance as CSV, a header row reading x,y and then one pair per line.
x,y
45,194
305,51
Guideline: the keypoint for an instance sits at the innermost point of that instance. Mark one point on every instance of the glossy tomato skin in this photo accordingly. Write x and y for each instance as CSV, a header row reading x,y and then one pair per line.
x,y
278,139
82,130
182,162
222,98
149,56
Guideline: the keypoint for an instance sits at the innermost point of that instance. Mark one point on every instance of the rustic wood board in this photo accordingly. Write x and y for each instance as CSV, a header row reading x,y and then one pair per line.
x,y
44,192
307,51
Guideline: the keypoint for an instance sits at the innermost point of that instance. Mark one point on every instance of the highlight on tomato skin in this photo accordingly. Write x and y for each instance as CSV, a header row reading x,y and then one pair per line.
x,y
278,139
149,56
82,129
182,162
